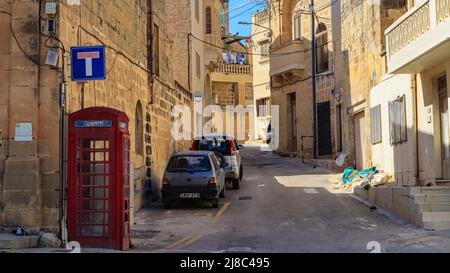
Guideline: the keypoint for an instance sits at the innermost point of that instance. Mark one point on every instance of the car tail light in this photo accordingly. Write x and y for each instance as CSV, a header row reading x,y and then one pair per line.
x,y
212,183
194,145
165,183
232,149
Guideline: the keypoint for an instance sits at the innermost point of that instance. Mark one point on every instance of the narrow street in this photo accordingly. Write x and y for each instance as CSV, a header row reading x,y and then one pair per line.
x,y
282,206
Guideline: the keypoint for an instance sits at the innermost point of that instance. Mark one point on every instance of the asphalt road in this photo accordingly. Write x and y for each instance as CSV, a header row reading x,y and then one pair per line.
x,y
282,206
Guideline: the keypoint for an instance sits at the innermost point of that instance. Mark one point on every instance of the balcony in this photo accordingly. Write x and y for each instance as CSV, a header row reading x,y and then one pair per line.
x,y
420,38
287,62
234,69
240,73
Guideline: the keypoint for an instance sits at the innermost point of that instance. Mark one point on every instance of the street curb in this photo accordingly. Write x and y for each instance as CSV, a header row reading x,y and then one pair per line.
x,y
390,215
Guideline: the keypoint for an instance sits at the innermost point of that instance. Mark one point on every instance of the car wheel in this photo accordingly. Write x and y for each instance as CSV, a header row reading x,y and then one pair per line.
x,y
236,184
215,203
222,193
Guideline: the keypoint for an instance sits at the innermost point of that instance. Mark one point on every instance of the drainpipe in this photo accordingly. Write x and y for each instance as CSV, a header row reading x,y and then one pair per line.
x,y
189,61
416,129
150,47
313,77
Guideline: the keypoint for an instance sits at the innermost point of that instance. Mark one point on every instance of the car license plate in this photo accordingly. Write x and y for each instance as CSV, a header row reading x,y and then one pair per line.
x,y
189,195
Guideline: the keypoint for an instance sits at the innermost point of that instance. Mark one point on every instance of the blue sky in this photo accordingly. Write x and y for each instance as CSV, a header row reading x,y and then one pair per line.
x,y
242,10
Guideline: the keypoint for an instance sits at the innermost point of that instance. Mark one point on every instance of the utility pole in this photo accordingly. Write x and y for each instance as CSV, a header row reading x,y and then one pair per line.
x,y
313,77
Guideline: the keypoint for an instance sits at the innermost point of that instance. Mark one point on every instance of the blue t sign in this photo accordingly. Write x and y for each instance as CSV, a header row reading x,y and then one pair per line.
x,y
88,63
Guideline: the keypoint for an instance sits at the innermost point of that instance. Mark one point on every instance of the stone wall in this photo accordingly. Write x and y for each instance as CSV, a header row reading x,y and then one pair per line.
x,y
30,194
122,27
363,26
298,81
20,102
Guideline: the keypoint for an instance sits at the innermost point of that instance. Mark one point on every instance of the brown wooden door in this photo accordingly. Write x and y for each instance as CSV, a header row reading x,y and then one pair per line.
x,y
360,140
324,128
445,131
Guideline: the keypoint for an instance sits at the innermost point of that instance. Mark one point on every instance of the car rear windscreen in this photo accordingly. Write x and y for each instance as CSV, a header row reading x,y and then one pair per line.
x,y
189,164
216,145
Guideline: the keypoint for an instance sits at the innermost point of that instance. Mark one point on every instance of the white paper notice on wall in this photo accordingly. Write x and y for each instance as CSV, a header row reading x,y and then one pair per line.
x,y
52,57
24,132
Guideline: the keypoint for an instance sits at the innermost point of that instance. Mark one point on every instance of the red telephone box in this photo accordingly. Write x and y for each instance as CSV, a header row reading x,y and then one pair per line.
x,y
99,178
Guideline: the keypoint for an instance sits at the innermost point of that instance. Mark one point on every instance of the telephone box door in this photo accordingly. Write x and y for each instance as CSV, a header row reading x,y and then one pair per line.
x,y
92,204
125,221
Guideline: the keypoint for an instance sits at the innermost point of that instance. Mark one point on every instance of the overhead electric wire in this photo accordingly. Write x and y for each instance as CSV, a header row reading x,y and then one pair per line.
x,y
243,13
237,7
256,54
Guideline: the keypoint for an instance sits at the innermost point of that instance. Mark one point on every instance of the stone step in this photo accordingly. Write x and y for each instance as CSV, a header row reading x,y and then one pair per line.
x,y
435,216
431,198
435,190
436,225
11,241
434,207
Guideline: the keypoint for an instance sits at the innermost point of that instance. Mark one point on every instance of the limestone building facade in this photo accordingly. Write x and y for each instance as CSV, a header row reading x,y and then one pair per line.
x,y
139,82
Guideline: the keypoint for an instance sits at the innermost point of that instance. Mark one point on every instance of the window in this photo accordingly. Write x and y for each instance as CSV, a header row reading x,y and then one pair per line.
x,y
375,124
394,4
139,130
189,164
264,48
197,65
156,50
249,92
297,27
263,107
208,20
322,49
197,10
397,120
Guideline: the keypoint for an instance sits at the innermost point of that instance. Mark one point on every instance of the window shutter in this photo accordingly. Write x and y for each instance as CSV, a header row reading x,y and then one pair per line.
x,y
397,121
375,119
391,122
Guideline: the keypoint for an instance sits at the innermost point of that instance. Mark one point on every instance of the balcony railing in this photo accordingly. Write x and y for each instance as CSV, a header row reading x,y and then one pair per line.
x,y
442,10
416,23
238,69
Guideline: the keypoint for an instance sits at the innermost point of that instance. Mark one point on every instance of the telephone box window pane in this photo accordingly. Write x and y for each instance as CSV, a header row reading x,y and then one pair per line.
x,y
92,231
98,144
93,180
98,156
92,218
92,205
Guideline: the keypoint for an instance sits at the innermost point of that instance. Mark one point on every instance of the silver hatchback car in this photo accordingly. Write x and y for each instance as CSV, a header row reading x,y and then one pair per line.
x,y
193,175
228,147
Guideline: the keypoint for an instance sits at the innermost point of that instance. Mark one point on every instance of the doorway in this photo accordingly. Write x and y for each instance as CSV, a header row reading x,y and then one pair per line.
x,y
359,121
444,122
338,128
324,128
292,114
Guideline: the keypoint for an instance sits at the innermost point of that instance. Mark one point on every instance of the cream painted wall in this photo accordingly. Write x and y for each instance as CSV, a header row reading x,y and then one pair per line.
x,y
429,130
397,160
